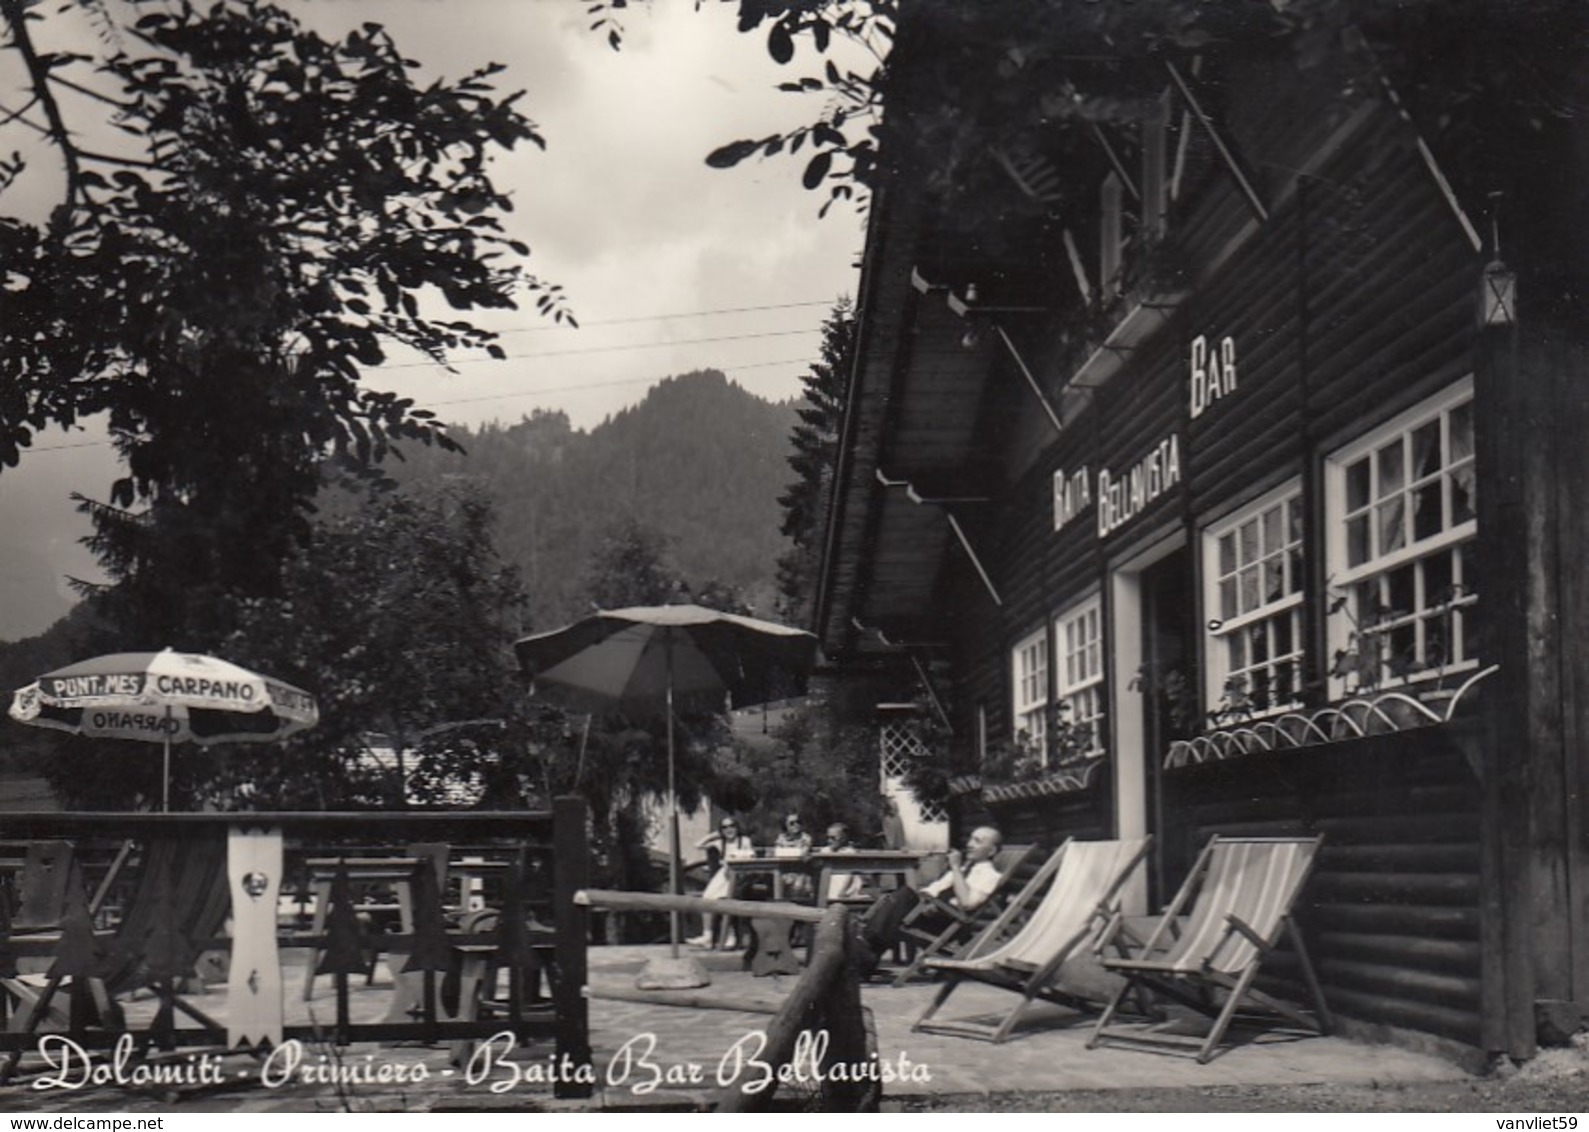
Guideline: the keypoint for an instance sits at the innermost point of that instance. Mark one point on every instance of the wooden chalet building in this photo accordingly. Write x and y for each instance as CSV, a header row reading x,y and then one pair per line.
x,y
1212,457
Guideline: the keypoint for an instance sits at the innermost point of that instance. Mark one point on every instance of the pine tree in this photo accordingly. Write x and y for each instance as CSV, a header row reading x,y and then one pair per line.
x,y
815,441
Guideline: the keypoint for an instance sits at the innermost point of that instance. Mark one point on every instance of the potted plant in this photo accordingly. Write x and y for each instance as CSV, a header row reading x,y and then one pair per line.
x,y
1439,636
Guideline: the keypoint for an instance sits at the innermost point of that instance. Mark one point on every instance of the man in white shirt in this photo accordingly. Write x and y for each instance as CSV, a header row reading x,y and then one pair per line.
x,y
971,879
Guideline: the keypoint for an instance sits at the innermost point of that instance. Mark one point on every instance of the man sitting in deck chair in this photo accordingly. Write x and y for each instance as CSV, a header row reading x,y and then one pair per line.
x,y
968,884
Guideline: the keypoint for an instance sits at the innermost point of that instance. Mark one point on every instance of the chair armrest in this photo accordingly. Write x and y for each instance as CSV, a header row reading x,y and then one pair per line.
x,y
1239,925
935,904
1115,934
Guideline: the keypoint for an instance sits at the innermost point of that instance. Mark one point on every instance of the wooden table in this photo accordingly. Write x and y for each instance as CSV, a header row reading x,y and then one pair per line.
x,y
398,872
899,863
771,952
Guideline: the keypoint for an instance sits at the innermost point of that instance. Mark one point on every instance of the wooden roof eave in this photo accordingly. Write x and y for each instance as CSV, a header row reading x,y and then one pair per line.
x,y
904,414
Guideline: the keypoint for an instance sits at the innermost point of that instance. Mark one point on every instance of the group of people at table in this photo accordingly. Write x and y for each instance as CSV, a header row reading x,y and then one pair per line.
x,y
967,882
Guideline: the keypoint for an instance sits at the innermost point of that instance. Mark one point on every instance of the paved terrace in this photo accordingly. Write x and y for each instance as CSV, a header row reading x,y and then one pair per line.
x,y
1047,1052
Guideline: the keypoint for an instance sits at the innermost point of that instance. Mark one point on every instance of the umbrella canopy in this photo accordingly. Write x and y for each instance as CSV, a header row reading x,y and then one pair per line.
x,y
627,659
164,697
655,658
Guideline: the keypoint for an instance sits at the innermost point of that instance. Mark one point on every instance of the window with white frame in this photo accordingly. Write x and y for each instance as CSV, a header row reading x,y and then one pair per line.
x,y
1403,581
1030,660
1078,636
1253,571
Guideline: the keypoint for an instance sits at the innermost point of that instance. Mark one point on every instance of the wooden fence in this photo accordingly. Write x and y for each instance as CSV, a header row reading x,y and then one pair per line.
x,y
191,875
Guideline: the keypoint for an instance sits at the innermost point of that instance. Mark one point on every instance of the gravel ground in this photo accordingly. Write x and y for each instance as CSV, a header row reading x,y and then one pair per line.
x,y
1556,1082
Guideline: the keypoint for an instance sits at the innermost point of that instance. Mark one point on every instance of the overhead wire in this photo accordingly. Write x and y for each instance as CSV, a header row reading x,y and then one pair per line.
x,y
576,388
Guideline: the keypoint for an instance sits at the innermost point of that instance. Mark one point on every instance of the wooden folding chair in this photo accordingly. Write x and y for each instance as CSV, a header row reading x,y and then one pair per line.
x,y
1065,908
935,928
1238,900
41,886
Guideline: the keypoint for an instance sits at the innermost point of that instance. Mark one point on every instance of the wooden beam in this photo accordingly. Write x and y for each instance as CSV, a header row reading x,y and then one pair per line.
x,y
971,553
1026,372
660,902
817,986
1225,153
1126,182
570,875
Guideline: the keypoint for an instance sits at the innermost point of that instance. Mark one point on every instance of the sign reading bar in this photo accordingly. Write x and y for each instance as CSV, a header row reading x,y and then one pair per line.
x,y
1211,373
1125,495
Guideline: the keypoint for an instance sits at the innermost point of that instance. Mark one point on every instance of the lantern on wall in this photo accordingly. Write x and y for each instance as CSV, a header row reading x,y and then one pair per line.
x,y
1499,297
1498,289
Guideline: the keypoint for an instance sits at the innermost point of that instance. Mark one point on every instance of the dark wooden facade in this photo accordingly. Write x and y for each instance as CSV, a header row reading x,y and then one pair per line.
x,y
1451,899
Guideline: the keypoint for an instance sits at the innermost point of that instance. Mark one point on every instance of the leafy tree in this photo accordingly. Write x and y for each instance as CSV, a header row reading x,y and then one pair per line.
x,y
815,763
979,96
399,615
815,441
631,566
276,212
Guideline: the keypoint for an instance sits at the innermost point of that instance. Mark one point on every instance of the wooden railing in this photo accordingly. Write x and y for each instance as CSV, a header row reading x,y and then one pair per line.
x,y
199,869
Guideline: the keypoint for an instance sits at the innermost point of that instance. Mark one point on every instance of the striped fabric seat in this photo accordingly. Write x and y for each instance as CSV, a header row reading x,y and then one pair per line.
x,y
1237,905
1065,908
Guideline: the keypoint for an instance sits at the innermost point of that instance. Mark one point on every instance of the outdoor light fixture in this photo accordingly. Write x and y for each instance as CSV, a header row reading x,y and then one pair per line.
x,y
1498,291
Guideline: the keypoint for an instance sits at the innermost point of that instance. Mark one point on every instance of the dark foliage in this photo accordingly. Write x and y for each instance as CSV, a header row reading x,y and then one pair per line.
x,y
220,285
816,441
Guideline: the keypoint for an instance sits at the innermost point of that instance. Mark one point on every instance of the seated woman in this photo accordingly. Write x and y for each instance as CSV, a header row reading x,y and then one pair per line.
x,y
793,841
732,844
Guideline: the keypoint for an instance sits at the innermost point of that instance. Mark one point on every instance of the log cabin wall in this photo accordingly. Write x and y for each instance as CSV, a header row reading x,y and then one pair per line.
x,y
1391,915
1351,302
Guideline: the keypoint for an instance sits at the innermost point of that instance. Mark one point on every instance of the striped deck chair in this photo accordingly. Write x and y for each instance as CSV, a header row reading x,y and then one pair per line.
x,y
1244,889
1066,906
937,928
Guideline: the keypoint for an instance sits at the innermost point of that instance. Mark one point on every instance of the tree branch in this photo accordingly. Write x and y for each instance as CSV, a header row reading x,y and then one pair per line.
x,y
15,15
111,159
83,90
17,116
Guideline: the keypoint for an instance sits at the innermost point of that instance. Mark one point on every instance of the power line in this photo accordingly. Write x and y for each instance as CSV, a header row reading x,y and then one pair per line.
x,y
602,349
617,382
599,385
666,317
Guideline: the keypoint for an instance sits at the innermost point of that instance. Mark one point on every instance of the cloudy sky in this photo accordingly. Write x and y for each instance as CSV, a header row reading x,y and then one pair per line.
x,y
669,266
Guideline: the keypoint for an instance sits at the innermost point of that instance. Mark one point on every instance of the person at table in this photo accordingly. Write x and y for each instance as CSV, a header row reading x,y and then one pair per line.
x,y
793,841
842,886
731,844
968,884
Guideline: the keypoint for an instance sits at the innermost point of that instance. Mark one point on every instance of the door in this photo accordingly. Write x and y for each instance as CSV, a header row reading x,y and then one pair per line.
x,y
1169,705
1155,702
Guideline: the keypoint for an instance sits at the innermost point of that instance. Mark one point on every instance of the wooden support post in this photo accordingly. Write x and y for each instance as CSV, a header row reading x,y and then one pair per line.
x,y
829,965
1509,903
571,873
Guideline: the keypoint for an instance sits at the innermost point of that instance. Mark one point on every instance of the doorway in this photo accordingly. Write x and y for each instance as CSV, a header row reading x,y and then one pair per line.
x,y
1157,702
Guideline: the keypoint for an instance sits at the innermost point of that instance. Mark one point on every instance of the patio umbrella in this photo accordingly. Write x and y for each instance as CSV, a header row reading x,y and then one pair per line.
x,y
164,697
646,658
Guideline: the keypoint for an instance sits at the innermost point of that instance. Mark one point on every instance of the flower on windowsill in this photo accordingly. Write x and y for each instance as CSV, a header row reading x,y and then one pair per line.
x,y
1021,768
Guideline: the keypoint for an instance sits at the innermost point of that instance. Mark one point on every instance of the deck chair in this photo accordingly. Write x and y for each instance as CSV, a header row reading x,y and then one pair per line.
x,y
41,887
181,902
935,928
1066,907
1237,902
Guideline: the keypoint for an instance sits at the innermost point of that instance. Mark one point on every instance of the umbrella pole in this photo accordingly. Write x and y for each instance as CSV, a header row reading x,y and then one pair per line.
x,y
165,768
673,821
